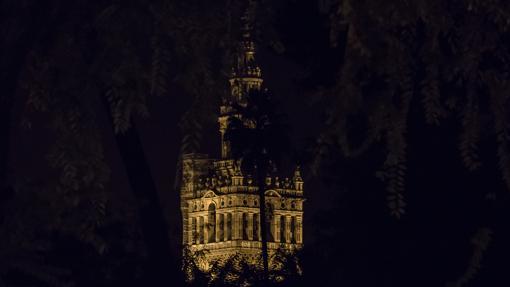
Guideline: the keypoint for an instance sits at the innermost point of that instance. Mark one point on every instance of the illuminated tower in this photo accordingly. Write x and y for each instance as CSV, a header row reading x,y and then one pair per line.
x,y
219,201
246,75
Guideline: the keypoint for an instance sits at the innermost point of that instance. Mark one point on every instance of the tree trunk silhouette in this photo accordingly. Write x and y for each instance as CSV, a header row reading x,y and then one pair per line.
x,y
13,52
261,182
162,266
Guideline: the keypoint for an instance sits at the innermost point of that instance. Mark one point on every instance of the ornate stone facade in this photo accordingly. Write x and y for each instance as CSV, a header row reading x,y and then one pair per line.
x,y
220,204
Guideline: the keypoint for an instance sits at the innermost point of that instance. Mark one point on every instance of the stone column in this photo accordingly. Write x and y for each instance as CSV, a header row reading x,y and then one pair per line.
x,y
274,227
299,229
287,229
271,230
277,235
242,225
235,225
256,226
190,230
260,227
206,229
227,229
239,225
218,218
223,227
196,230
201,229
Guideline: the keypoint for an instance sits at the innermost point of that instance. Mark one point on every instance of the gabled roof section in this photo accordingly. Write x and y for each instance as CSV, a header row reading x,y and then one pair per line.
x,y
209,194
272,193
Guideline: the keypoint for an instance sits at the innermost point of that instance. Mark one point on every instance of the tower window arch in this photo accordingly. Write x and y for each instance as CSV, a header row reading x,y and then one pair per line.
x,y
256,227
293,229
269,222
194,233
201,229
211,222
229,226
245,226
282,229
222,227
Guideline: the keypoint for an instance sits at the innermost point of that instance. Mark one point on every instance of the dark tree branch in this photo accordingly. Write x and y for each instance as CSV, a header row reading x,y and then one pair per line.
x,y
163,269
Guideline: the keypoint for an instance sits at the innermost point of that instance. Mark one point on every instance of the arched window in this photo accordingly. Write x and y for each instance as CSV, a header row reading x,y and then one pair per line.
x,y
269,221
211,223
282,229
245,226
256,227
201,229
229,226
222,227
194,233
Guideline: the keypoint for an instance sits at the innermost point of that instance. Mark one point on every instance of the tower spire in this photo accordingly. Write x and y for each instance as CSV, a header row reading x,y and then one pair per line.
x,y
245,76
246,73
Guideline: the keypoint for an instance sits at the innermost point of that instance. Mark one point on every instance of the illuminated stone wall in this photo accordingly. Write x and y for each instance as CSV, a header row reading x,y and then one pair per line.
x,y
222,213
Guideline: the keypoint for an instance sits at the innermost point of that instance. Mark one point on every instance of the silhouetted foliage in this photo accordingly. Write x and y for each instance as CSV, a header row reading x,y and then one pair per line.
x,y
78,56
258,137
237,271
444,62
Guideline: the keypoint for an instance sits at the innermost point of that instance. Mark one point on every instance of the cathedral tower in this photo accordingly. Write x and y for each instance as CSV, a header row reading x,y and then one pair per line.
x,y
219,201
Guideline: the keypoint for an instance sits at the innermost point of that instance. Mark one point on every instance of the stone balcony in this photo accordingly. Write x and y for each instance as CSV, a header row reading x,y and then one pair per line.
x,y
244,244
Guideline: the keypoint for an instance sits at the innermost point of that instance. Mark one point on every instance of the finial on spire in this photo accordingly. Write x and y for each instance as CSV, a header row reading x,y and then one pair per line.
x,y
297,174
247,24
298,180
237,168
246,73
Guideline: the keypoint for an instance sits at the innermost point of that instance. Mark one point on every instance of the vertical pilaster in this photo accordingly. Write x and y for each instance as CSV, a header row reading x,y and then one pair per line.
x,y
218,224
225,218
287,228
185,222
206,229
240,225
235,225
270,228
259,222
256,226
299,229
274,227
277,235
229,226
244,226
190,230
201,227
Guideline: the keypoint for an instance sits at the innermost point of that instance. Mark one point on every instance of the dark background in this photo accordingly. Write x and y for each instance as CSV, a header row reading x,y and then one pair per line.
x,y
350,237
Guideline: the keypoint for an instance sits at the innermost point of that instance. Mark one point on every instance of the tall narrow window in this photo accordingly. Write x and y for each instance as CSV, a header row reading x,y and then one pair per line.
x,y
256,227
245,226
269,222
201,229
211,223
293,229
282,229
229,226
193,230
222,227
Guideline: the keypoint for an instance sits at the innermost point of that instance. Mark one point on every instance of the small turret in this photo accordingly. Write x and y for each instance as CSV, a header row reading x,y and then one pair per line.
x,y
237,178
298,180
246,75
